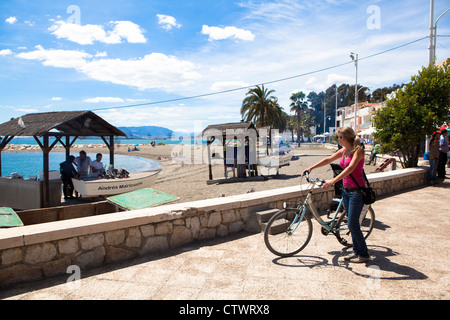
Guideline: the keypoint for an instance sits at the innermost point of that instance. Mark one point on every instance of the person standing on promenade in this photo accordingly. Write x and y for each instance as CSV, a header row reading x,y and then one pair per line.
x,y
352,163
97,166
83,163
433,158
443,149
68,172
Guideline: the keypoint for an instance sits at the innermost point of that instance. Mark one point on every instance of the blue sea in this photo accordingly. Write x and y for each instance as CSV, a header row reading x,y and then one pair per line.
x,y
31,163
31,141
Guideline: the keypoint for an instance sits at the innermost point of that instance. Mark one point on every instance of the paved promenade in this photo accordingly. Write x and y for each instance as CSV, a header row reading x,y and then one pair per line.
x,y
410,249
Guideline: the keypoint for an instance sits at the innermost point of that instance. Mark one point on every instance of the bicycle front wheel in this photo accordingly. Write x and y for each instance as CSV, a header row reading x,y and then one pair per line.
x,y
285,235
367,220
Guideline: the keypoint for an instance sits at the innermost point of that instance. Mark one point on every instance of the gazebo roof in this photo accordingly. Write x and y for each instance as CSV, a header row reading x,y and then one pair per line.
x,y
66,123
236,126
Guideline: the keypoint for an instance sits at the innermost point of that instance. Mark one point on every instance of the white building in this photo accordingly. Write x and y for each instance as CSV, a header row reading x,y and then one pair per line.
x,y
364,114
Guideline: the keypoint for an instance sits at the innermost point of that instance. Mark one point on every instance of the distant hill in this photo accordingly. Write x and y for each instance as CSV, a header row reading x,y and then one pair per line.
x,y
151,132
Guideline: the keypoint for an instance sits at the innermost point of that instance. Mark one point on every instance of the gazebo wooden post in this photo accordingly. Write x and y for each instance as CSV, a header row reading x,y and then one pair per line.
x,y
111,150
46,148
110,145
224,148
3,143
67,147
208,145
46,189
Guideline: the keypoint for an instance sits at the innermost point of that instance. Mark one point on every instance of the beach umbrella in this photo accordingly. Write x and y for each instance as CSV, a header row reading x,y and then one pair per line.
x,y
136,145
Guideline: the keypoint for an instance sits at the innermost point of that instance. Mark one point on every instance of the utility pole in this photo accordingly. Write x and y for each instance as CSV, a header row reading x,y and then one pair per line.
x,y
431,49
355,58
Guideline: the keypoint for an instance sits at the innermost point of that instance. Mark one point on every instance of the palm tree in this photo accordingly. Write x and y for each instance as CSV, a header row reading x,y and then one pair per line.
x,y
262,108
299,105
291,125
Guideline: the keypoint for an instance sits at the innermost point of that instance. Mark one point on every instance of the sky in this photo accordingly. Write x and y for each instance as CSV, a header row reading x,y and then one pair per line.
x,y
187,64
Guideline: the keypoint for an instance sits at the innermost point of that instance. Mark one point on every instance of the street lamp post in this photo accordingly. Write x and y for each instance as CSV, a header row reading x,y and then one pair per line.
x,y
335,118
355,58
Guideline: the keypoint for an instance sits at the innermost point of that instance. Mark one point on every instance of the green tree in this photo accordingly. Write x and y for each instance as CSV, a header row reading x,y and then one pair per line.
x,y
262,108
291,125
299,105
414,112
307,123
379,94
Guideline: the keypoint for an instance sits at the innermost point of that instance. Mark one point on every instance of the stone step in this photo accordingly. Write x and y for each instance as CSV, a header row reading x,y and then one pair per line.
x,y
265,215
259,218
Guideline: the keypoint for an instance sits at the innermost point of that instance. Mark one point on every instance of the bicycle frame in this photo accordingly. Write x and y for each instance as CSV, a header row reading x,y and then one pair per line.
x,y
328,225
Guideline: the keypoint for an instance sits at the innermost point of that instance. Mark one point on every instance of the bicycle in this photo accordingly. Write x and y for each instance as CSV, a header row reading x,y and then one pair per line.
x,y
290,229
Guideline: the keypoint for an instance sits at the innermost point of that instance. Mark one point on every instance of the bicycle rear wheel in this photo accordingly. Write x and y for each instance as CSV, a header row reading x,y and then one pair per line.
x,y
367,220
285,235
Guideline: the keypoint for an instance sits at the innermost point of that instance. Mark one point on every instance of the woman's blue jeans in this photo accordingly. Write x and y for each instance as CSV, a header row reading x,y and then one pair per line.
x,y
433,166
353,203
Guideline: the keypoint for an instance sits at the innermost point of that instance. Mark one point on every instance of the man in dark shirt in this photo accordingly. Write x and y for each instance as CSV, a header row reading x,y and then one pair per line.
x,y
68,172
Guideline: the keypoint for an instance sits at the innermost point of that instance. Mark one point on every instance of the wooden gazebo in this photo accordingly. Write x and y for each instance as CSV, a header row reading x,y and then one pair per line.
x,y
245,132
65,127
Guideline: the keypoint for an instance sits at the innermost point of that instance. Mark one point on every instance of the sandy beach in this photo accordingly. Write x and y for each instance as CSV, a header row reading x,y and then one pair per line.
x,y
188,181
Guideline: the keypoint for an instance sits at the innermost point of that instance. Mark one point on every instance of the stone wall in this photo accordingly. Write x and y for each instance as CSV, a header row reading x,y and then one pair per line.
x,y
45,250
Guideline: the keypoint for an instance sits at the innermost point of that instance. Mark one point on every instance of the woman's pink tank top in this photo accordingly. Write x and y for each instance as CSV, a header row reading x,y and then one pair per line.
x,y
357,174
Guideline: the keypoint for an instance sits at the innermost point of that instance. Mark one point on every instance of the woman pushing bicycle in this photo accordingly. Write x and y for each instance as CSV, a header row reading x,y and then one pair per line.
x,y
352,163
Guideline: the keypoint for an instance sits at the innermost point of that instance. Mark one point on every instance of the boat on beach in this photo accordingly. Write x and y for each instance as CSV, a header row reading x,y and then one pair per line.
x,y
285,155
270,165
93,187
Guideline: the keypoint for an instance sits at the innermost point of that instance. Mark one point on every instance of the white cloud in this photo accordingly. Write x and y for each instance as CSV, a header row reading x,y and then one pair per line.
x,y
155,70
180,117
127,30
218,33
57,58
11,20
56,99
103,99
5,52
27,110
101,54
87,34
168,22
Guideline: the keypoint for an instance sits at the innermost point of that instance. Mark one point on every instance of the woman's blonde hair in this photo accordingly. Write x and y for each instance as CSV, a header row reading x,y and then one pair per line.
x,y
348,134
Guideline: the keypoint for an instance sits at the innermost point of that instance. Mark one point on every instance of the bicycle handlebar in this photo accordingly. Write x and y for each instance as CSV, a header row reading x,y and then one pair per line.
x,y
313,180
